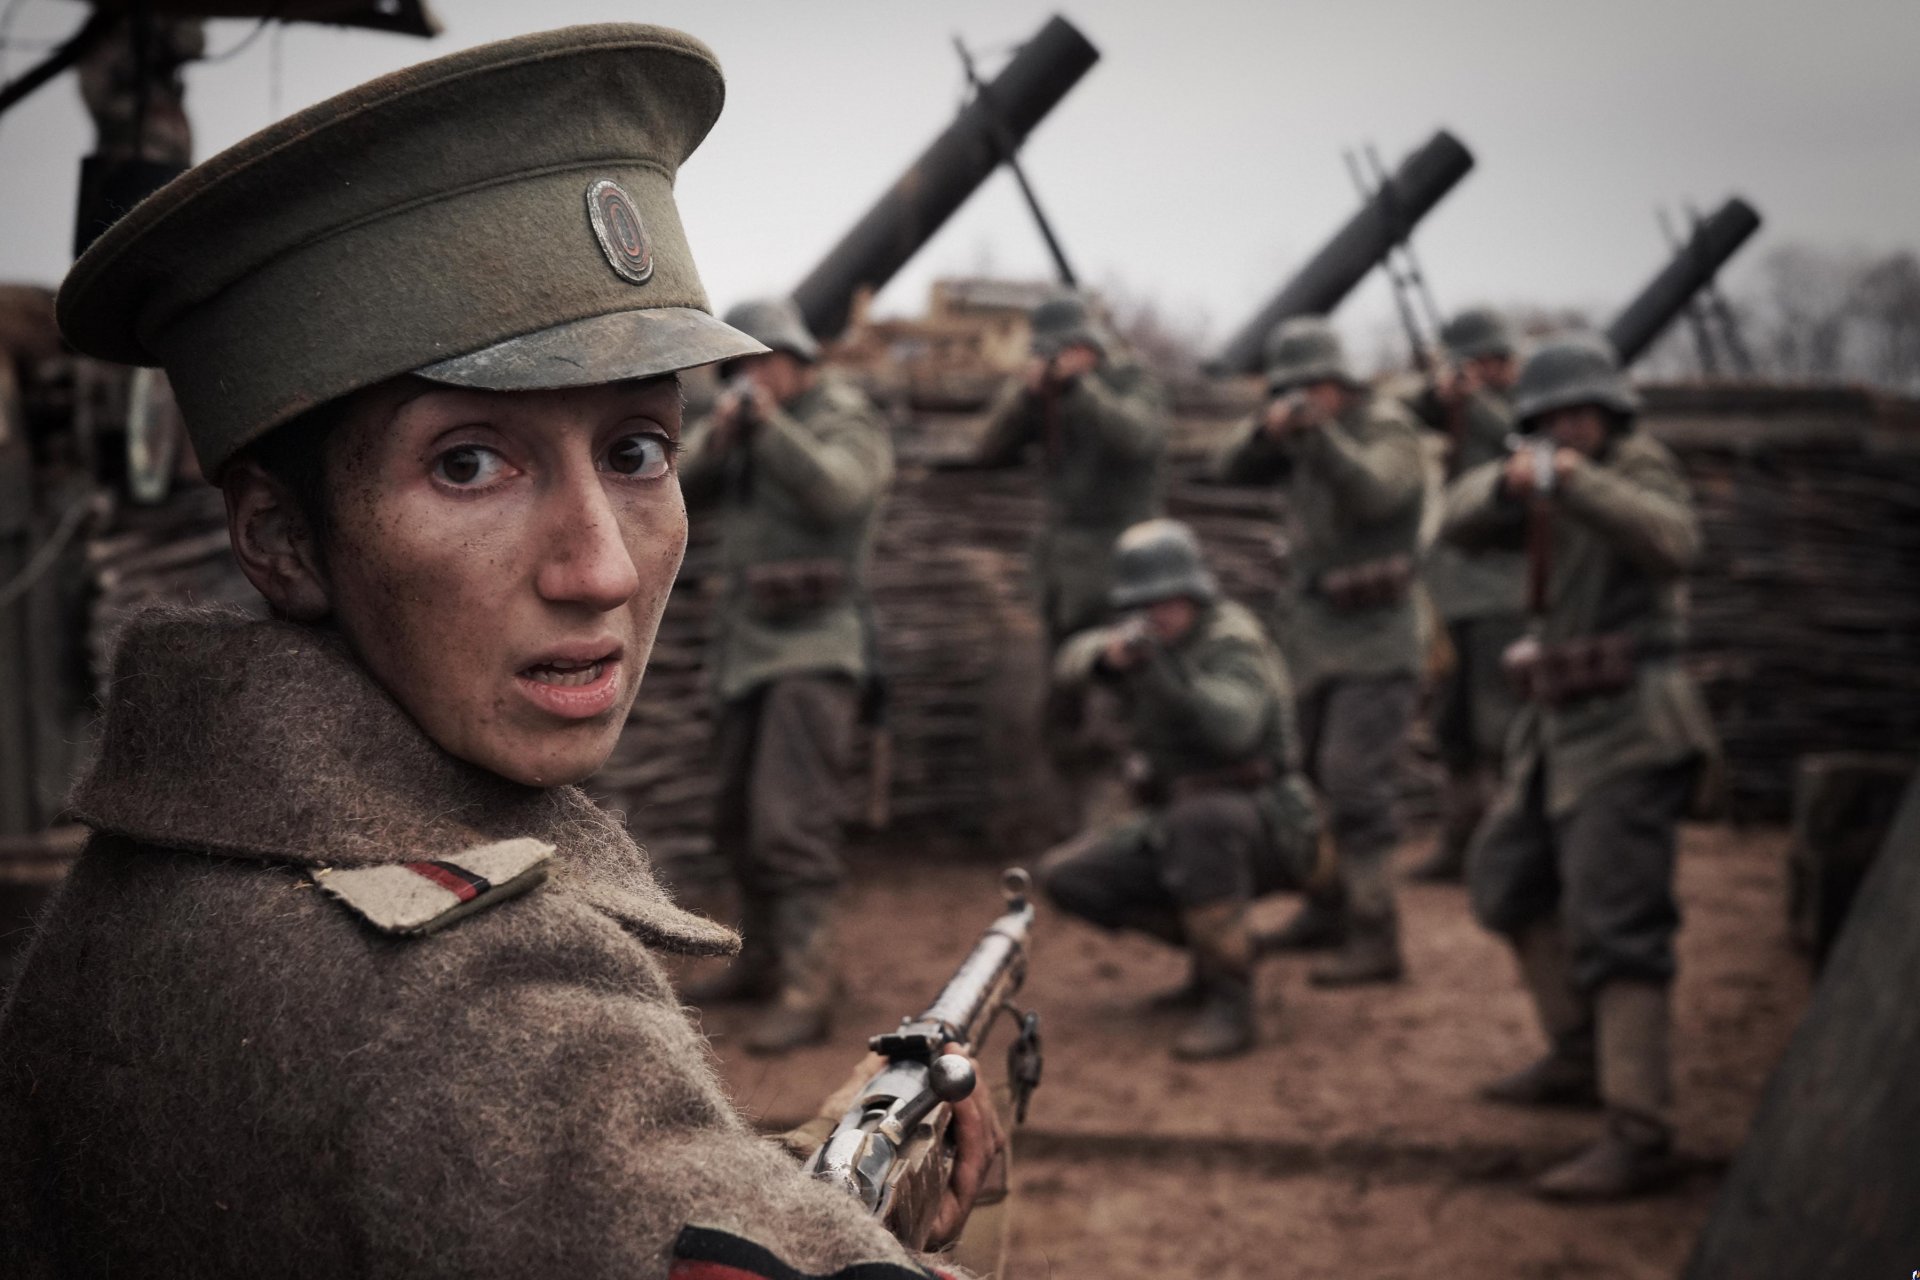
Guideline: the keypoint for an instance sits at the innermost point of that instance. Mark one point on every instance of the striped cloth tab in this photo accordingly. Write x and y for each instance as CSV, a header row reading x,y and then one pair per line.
x,y
419,897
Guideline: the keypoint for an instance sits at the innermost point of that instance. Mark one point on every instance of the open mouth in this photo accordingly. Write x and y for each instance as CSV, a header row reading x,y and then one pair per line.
x,y
566,675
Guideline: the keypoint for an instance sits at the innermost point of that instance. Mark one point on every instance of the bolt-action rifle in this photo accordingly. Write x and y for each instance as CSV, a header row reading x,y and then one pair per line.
x,y
890,1149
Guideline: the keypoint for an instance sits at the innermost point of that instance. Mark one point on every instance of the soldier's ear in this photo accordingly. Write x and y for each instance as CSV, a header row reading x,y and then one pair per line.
x,y
274,543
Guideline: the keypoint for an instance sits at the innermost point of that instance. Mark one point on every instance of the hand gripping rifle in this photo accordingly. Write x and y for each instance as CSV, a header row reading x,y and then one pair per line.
x,y
890,1149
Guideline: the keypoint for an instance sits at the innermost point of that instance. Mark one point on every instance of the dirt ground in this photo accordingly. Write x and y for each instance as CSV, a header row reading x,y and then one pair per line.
x,y
1349,1144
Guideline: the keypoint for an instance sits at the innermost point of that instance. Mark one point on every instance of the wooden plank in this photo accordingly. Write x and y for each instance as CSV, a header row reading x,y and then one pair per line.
x,y
1827,1186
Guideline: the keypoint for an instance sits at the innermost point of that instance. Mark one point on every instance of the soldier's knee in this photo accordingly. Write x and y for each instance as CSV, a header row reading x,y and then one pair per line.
x,y
1064,879
1214,818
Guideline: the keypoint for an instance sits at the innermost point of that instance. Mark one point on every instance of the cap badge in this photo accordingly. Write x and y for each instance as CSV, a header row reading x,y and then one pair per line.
x,y
622,236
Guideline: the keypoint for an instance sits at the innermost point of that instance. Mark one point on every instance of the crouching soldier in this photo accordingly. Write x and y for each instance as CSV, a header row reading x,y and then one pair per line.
x,y
797,462
1228,816
1575,864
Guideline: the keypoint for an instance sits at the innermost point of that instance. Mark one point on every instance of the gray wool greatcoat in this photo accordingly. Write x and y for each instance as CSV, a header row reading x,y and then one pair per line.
x,y
215,1063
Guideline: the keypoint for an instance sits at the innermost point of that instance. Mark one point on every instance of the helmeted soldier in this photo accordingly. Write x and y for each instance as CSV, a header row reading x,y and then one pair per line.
x,y
350,978
1477,596
1228,816
1098,423
1575,865
1351,463
797,461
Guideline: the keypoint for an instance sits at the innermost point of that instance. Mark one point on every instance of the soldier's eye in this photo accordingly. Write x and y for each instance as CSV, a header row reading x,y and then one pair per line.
x,y
468,465
643,456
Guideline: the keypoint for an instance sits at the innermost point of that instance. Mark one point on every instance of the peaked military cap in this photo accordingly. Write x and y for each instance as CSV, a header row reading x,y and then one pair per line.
x,y
776,323
1306,349
502,218
1478,332
1569,370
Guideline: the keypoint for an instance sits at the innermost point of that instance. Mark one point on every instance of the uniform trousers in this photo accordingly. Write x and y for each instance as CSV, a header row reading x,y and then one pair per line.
x,y
1198,850
1352,729
784,753
1475,703
1606,868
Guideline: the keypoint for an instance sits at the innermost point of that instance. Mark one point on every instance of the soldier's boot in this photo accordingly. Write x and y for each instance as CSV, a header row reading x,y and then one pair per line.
x,y
1634,1153
1463,802
1189,995
1319,925
1566,1076
1370,955
802,1008
754,974
1223,956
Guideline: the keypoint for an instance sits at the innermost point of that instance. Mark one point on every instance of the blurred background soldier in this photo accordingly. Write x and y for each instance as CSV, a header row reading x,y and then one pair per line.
x,y
1228,815
1351,461
1478,596
1099,422
1575,866
799,461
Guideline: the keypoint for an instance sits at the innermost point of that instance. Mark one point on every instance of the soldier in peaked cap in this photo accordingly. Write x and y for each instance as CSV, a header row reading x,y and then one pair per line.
x,y
1575,864
797,462
1352,465
1227,815
351,979
1098,423
1476,594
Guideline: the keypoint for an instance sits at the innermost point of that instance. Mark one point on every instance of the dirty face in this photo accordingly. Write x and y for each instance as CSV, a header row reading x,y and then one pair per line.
x,y
500,561
1498,372
1328,398
1582,428
1169,621
780,374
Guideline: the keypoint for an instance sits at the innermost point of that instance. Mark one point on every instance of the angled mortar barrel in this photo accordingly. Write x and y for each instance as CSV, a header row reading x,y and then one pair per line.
x,y
1420,182
944,175
1716,239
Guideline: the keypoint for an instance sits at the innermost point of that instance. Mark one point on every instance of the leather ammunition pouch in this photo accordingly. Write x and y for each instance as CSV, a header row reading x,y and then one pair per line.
x,y
1370,584
1570,670
787,589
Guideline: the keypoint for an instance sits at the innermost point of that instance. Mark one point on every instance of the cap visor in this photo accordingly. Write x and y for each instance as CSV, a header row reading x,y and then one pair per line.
x,y
598,349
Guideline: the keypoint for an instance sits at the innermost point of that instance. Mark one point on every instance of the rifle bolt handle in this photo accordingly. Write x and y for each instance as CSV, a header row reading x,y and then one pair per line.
x,y
950,1077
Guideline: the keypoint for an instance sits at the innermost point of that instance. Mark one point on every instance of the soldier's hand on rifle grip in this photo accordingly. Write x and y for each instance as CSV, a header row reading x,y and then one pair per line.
x,y
978,1140
1040,377
1288,414
1126,644
1517,475
1073,364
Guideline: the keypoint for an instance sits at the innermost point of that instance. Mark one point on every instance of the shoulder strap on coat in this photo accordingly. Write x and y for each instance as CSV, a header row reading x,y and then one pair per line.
x,y
415,898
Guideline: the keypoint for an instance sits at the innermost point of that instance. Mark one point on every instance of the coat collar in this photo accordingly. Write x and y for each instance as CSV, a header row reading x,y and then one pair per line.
x,y
269,741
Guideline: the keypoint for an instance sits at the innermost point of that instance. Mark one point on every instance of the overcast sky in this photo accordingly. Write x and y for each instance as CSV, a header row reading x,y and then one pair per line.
x,y
1199,161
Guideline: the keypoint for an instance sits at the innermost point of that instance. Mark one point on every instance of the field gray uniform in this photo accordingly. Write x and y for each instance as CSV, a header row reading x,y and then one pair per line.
x,y
1101,442
798,496
1354,493
797,503
1229,816
1575,864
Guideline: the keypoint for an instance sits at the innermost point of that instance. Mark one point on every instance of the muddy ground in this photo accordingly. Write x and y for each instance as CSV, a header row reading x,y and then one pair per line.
x,y
1349,1144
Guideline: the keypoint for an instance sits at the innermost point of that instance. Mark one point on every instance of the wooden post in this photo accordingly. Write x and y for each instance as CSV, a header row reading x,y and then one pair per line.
x,y
1827,1186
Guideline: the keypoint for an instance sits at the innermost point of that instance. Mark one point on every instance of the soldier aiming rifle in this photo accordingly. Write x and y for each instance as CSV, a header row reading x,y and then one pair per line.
x,y
1609,751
